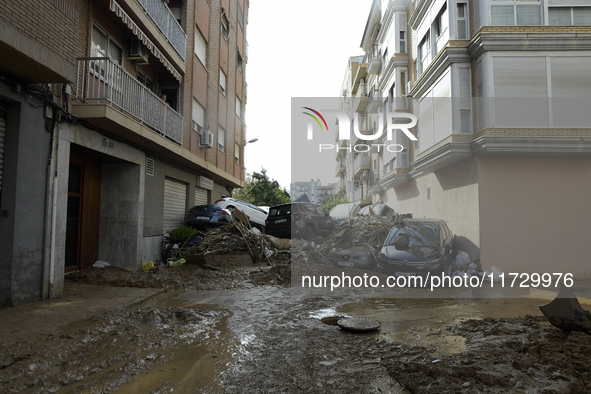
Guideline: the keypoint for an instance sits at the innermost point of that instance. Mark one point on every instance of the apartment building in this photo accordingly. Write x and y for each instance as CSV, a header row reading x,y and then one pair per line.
x,y
116,116
314,190
501,90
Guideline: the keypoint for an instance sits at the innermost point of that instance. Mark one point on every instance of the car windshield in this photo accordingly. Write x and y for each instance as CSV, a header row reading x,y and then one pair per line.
x,y
249,205
345,210
420,234
280,210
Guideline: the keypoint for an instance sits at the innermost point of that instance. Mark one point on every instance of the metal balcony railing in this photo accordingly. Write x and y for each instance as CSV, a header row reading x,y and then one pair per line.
x,y
164,19
340,166
100,80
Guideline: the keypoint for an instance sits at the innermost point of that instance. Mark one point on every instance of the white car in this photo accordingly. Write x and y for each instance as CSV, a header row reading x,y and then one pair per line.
x,y
256,215
342,212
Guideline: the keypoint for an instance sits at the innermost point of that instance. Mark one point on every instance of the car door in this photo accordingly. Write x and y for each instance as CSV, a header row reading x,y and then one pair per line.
x,y
323,220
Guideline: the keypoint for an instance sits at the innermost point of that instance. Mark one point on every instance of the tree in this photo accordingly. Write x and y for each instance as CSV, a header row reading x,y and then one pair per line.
x,y
330,201
260,190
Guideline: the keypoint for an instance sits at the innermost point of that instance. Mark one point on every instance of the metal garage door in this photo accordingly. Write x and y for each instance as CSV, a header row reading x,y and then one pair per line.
x,y
175,200
200,196
2,135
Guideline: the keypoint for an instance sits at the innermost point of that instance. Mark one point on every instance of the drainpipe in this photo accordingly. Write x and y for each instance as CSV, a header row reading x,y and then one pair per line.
x,y
50,215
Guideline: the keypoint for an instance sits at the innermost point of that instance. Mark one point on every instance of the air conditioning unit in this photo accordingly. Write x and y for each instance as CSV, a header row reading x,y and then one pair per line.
x,y
206,139
138,51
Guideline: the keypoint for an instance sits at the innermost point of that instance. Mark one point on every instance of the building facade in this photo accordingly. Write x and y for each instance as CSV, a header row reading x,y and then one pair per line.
x,y
314,190
116,116
503,148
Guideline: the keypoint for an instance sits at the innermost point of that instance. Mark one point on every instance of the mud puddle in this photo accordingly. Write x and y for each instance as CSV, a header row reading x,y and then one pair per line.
x,y
426,322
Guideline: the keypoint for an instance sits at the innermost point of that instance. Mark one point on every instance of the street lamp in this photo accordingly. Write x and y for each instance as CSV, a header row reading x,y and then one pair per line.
x,y
251,141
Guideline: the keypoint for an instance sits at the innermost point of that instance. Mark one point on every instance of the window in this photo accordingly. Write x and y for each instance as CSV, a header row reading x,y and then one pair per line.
x,y
198,115
200,47
424,51
103,45
237,153
240,16
402,41
439,27
516,13
238,107
221,139
462,21
225,25
143,78
569,16
222,82
238,59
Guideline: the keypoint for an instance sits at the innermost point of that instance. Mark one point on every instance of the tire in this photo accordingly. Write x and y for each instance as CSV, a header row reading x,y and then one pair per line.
x,y
229,209
310,234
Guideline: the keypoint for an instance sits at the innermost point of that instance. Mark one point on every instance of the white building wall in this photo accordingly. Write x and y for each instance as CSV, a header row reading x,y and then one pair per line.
x,y
450,194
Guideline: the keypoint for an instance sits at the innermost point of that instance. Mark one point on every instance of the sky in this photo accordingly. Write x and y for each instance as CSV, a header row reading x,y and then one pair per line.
x,y
295,49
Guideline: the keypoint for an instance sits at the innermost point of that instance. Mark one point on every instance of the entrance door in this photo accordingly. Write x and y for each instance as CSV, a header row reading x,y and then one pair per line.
x,y
82,225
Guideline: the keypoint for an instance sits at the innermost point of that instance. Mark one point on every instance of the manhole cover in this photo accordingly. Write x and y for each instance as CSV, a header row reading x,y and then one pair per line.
x,y
358,324
332,320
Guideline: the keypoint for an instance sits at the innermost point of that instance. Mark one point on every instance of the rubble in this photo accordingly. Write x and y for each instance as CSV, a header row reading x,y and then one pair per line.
x,y
361,232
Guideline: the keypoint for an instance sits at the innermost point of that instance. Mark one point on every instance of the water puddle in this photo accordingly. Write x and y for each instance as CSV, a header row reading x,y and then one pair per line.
x,y
423,322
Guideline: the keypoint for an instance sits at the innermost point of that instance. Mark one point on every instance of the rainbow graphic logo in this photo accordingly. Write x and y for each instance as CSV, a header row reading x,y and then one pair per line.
x,y
316,119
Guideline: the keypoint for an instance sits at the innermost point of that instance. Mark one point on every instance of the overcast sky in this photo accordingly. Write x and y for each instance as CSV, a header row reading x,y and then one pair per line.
x,y
296,49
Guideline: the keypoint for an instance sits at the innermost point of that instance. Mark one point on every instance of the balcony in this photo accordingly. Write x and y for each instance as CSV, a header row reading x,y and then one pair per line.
x,y
166,22
340,170
374,101
359,197
360,100
375,61
360,163
103,83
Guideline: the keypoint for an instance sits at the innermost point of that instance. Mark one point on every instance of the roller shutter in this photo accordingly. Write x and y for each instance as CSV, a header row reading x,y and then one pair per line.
x,y
200,196
2,135
175,200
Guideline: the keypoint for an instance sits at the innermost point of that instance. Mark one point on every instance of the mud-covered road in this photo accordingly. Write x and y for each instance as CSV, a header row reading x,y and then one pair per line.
x,y
244,331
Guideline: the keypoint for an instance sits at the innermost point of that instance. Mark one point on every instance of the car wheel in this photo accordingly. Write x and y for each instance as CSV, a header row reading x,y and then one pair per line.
x,y
310,233
229,209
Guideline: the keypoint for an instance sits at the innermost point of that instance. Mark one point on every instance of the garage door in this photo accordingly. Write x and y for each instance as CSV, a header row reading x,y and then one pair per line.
x,y
2,135
175,201
200,196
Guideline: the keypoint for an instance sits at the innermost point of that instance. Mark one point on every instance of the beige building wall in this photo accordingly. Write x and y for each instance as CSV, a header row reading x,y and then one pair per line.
x,y
454,198
535,211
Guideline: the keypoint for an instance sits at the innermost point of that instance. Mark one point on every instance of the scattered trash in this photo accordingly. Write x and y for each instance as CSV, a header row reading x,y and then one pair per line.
x,y
495,272
462,259
148,266
566,313
100,264
178,263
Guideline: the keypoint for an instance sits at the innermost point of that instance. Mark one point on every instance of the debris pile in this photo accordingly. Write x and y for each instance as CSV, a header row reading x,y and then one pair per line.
x,y
361,232
234,238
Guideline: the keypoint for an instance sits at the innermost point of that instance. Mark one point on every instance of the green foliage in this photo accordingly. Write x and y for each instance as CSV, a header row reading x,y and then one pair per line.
x,y
181,235
260,190
330,201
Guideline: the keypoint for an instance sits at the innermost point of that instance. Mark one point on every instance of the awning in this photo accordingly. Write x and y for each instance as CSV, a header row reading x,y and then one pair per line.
x,y
116,8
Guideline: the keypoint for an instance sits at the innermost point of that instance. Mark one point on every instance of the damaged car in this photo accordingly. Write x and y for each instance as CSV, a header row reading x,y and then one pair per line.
x,y
417,246
358,257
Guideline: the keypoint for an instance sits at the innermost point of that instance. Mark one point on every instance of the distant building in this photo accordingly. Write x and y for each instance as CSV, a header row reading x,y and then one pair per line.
x,y
314,190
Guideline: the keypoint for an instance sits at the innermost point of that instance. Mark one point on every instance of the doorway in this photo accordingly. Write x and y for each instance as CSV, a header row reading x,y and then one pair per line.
x,y
83,211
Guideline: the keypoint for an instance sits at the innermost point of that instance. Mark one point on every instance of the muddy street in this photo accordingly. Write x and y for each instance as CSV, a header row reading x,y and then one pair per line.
x,y
230,335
